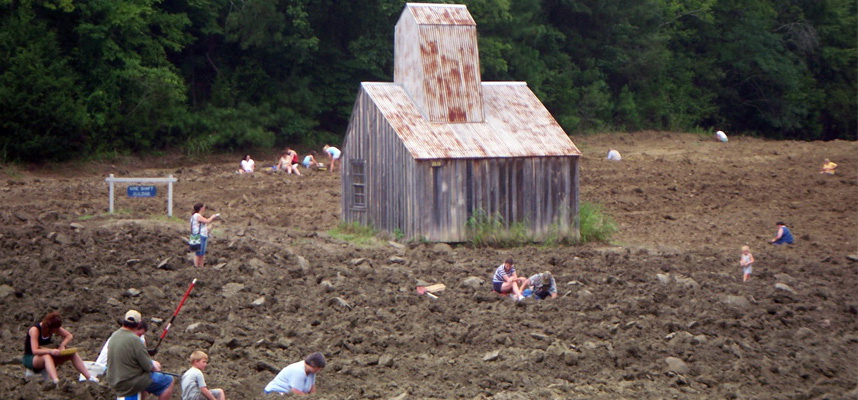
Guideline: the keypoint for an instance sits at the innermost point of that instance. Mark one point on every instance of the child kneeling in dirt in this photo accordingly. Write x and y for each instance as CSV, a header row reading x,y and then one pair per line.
x,y
194,384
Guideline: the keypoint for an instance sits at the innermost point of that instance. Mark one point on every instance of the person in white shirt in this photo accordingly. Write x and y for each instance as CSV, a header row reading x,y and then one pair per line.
x,y
298,378
247,165
721,136
333,155
614,155
99,366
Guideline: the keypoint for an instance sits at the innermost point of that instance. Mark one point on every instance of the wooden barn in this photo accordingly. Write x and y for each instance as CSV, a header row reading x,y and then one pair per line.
x,y
425,153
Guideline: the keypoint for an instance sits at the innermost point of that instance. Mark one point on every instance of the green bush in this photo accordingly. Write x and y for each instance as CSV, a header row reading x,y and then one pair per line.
x,y
355,233
595,225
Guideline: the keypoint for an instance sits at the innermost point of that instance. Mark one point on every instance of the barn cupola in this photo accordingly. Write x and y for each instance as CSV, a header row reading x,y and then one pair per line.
x,y
437,61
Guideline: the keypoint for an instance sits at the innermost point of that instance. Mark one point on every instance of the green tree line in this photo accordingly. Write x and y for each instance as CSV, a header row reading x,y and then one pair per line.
x,y
88,78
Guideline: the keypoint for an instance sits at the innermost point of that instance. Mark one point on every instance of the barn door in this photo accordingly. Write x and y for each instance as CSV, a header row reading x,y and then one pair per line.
x,y
440,201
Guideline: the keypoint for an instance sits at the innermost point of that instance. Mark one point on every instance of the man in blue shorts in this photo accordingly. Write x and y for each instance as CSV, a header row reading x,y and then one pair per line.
x,y
130,370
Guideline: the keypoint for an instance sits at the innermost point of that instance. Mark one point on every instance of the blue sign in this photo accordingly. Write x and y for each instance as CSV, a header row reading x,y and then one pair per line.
x,y
142,191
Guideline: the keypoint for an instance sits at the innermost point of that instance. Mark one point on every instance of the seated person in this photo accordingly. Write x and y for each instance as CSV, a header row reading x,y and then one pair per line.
x,y
99,366
38,357
828,167
247,165
194,385
784,235
506,280
543,285
721,136
287,163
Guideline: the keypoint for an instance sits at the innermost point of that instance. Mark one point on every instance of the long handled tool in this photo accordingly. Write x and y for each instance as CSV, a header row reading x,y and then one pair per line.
x,y
173,318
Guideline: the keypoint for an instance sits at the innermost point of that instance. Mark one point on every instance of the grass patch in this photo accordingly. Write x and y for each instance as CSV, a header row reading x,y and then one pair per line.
x,y
355,233
595,225
11,171
490,230
86,217
165,218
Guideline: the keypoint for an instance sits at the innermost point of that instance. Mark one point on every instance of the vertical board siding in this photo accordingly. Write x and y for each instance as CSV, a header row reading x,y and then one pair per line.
x,y
390,201
437,59
539,191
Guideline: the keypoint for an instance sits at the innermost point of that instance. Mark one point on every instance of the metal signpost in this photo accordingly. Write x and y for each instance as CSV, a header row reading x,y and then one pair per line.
x,y
143,191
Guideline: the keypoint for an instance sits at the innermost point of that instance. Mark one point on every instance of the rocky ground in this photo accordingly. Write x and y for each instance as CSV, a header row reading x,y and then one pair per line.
x,y
660,312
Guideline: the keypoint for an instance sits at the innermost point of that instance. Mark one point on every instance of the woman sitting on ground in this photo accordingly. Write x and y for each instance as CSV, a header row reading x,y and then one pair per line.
x,y
38,358
247,165
288,162
506,280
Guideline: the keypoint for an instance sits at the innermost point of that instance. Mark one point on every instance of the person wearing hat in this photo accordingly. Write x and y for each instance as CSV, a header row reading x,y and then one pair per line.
x,y
784,235
99,366
299,377
130,370
543,285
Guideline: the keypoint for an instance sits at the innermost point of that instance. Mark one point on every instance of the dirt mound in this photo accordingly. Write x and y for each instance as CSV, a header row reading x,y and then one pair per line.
x,y
661,313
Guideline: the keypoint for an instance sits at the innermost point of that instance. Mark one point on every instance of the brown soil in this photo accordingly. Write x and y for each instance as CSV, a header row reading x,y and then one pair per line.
x,y
684,205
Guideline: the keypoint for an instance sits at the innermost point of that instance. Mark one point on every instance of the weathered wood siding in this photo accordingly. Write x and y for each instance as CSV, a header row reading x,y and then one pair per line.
x,y
390,194
437,59
539,191
433,199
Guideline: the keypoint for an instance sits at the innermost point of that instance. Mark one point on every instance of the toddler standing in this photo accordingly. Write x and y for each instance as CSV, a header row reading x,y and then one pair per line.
x,y
747,262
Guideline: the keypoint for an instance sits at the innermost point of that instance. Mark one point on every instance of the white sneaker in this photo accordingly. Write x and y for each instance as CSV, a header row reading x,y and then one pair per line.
x,y
93,379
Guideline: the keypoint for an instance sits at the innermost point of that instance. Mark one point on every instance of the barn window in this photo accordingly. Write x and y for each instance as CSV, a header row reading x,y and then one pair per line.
x,y
358,173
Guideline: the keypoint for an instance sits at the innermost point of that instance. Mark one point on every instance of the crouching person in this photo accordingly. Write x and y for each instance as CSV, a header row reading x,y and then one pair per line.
x,y
543,285
299,377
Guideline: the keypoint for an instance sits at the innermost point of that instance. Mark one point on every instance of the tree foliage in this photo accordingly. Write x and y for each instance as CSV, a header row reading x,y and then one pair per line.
x,y
81,77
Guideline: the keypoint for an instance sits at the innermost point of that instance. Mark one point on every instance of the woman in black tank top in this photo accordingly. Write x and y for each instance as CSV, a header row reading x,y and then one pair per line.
x,y
38,358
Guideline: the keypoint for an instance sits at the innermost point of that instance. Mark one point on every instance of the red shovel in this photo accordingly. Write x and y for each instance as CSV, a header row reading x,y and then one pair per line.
x,y
175,313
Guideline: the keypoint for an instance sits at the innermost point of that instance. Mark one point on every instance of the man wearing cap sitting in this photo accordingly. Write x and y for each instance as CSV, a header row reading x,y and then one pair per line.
x,y
543,285
130,370
299,377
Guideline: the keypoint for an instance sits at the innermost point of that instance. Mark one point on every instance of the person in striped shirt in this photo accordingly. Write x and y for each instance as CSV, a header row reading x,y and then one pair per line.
x,y
506,280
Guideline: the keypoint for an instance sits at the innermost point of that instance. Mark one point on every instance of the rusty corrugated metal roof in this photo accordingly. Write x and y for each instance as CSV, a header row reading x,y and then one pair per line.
x,y
516,124
440,14
438,61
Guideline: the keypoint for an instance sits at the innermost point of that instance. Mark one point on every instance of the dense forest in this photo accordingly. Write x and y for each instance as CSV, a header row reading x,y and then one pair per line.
x,y
92,78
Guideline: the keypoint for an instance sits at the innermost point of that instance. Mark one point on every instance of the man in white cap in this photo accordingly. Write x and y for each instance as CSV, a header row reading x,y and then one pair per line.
x,y
130,370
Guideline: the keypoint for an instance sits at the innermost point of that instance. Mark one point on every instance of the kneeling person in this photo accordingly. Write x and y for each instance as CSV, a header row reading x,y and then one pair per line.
x,y
543,285
299,377
194,383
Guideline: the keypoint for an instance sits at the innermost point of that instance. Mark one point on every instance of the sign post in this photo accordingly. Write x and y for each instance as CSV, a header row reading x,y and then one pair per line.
x,y
143,191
